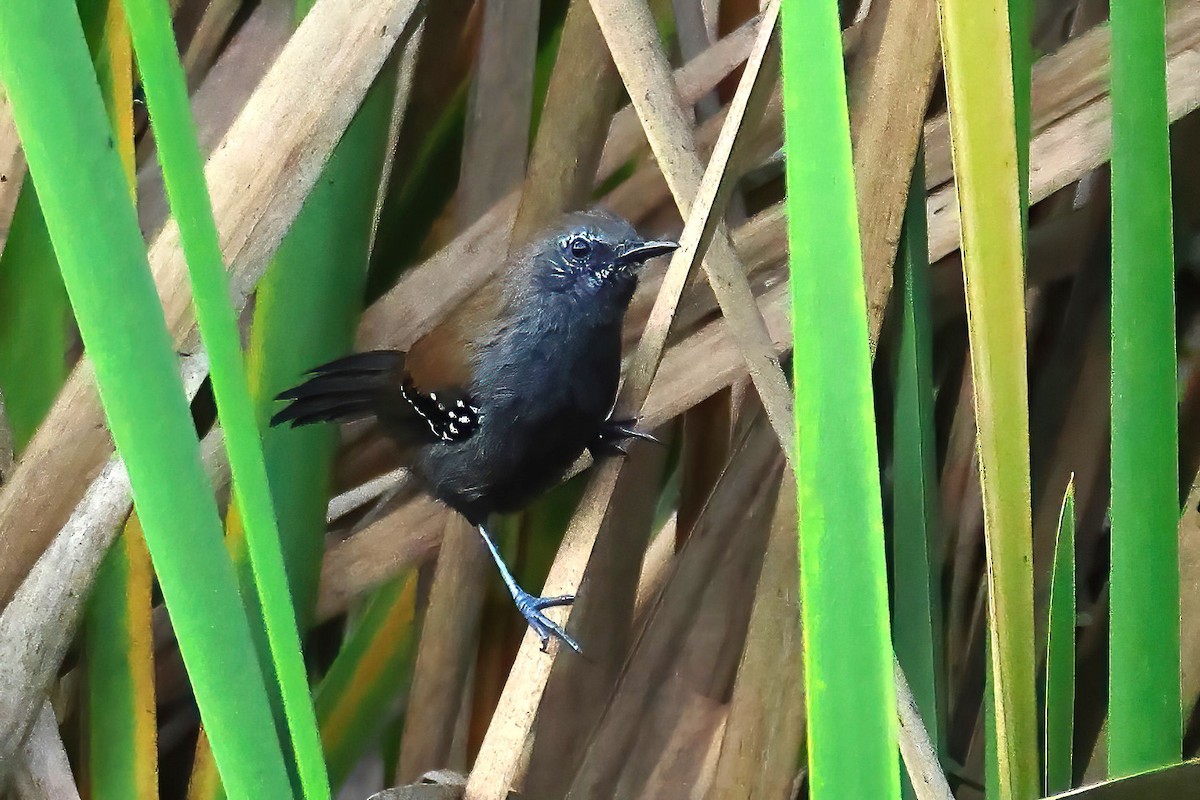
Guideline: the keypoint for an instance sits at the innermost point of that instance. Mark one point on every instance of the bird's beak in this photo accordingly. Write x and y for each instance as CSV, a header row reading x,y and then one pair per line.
x,y
641,252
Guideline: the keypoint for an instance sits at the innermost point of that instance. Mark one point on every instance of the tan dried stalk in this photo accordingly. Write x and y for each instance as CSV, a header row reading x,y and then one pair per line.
x,y
499,758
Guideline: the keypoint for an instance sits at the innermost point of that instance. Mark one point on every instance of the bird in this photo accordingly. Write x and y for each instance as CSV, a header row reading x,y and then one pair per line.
x,y
493,405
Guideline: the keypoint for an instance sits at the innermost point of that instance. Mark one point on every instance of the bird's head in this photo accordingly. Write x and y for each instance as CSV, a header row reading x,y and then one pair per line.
x,y
594,256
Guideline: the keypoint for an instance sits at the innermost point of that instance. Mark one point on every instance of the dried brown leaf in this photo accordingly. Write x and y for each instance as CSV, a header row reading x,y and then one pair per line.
x,y
765,726
602,620
889,82
692,639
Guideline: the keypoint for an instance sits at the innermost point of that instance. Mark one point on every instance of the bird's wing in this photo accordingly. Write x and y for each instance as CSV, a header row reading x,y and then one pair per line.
x,y
376,384
443,359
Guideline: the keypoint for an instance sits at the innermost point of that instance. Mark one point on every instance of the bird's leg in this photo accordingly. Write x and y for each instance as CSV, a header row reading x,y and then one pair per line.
x,y
531,607
610,439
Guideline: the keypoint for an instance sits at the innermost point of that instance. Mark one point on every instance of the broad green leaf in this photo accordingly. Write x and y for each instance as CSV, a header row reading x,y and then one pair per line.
x,y
122,737
122,729
843,577
1144,705
33,327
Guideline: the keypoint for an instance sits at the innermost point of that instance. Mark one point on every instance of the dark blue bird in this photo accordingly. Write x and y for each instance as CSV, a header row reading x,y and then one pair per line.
x,y
493,406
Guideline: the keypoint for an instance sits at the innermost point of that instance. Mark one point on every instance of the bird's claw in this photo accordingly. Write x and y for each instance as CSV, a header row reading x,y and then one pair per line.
x,y
611,438
531,609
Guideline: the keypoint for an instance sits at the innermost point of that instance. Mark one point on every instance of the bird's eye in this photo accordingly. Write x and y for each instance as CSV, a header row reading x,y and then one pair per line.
x,y
579,247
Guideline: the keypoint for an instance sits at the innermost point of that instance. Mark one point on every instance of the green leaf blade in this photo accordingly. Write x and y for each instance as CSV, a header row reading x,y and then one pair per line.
x,y
33,327
122,752
916,611
71,153
1145,716
853,727
183,173
1060,653
373,667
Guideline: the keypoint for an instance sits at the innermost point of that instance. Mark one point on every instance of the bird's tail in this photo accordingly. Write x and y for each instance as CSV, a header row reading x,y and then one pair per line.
x,y
350,388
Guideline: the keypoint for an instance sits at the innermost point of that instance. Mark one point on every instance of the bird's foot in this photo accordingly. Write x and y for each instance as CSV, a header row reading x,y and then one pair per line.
x,y
613,435
531,609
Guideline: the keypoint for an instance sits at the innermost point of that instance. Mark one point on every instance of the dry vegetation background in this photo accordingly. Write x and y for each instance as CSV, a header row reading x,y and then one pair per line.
x,y
685,555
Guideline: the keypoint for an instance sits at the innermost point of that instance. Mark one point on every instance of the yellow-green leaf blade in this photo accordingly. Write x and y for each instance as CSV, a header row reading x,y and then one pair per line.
x,y
979,81
373,667
122,734
122,720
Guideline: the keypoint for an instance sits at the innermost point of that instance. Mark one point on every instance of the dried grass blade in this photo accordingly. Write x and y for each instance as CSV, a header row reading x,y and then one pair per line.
x,y
496,137
890,79
55,589
46,773
7,458
627,27
578,689
1176,782
695,79
766,719
210,34
12,168
693,632
570,136
920,753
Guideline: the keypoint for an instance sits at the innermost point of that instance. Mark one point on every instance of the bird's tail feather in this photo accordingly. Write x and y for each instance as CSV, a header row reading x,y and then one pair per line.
x,y
350,388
